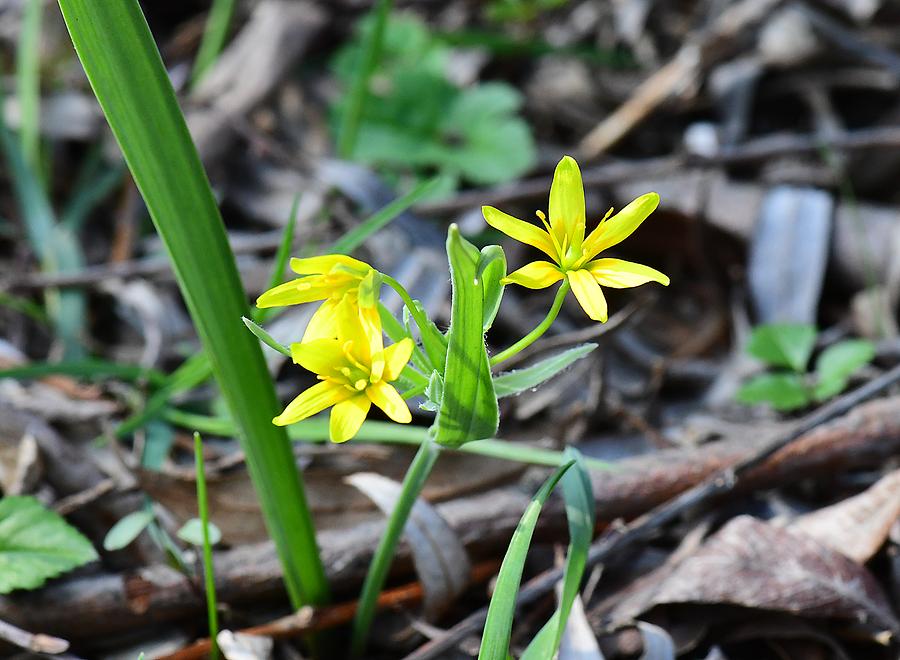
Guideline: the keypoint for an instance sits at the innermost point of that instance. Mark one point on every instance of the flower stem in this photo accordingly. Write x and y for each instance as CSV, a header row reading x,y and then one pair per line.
x,y
539,330
412,486
208,578
417,315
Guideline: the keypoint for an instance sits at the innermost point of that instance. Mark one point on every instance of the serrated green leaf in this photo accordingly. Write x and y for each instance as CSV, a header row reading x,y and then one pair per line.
x,y
498,625
783,391
783,345
581,513
37,544
127,529
468,404
513,382
491,270
837,363
192,532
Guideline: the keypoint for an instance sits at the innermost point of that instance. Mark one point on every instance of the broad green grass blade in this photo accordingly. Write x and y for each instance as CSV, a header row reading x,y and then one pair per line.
x,y
502,609
513,382
356,102
209,580
358,235
28,82
213,38
412,486
128,77
468,407
580,511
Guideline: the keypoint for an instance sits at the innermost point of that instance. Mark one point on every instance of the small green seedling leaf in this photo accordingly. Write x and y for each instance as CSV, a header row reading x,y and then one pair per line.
x,y
491,270
37,544
498,625
783,345
784,391
434,393
192,532
837,363
468,404
127,529
513,382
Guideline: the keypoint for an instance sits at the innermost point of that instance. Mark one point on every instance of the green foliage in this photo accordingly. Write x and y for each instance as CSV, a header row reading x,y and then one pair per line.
x,y
783,345
497,627
513,382
192,532
790,347
416,120
502,11
127,529
37,544
468,406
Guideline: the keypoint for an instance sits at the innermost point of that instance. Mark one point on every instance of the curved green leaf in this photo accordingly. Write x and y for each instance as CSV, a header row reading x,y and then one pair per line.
x,y
513,382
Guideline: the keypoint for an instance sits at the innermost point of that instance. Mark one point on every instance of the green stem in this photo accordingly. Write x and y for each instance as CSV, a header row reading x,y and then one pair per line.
x,y
539,330
412,486
419,318
208,577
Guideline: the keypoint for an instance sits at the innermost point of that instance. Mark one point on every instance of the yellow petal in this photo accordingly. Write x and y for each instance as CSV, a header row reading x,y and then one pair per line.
x,y
621,274
567,204
588,294
396,356
620,226
316,399
522,231
536,275
323,323
389,400
321,356
291,293
362,327
347,417
323,264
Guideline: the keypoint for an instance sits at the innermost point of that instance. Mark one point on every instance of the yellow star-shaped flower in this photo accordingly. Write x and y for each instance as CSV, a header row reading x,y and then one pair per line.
x,y
573,254
332,278
355,370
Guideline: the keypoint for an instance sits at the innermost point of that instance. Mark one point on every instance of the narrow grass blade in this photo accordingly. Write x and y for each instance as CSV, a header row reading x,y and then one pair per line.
x,y
88,368
209,580
315,430
358,235
502,609
128,77
265,337
580,511
370,53
28,82
214,36
411,488
276,277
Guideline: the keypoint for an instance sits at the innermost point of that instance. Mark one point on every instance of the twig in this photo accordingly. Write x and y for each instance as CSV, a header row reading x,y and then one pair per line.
x,y
75,501
644,526
29,641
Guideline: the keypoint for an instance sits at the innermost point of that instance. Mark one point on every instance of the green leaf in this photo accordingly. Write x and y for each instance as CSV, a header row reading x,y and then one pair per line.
x,y
265,337
491,270
783,391
434,393
580,512
127,529
192,532
498,625
37,544
125,71
468,403
513,382
837,363
783,345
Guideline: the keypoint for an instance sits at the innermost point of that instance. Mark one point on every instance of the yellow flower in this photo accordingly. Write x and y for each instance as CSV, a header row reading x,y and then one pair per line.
x,y
355,370
332,278
574,255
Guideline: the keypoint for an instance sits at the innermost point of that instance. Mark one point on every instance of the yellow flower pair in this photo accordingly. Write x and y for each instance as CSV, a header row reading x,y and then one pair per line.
x,y
343,345
573,253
